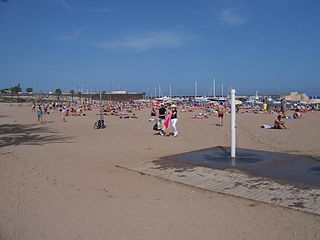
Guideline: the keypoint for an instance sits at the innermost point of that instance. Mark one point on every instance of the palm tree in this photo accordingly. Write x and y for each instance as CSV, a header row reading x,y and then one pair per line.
x,y
72,95
12,91
58,93
80,95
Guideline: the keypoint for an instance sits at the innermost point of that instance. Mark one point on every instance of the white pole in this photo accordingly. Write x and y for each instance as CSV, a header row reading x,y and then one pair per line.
x,y
101,110
214,87
195,89
222,90
233,123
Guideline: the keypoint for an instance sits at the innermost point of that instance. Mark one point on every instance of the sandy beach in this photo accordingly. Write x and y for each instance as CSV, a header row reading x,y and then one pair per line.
x,y
60,180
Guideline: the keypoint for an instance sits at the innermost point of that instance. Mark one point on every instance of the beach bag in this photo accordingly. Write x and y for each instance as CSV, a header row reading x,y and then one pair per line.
x,y
155,127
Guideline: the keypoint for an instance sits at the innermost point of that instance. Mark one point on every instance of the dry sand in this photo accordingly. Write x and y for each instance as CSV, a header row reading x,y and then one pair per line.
x,y
59,180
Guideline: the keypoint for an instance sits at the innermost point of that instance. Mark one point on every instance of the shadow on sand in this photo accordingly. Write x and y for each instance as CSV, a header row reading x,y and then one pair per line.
x,y
29,134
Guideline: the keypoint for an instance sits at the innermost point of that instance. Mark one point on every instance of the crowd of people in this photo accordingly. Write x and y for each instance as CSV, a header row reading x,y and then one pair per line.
x,y
170,117
122,110
167,113
65,109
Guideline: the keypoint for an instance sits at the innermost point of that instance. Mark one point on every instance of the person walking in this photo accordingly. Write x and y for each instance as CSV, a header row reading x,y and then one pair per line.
x,y
174,119
161,119
221,111
33,109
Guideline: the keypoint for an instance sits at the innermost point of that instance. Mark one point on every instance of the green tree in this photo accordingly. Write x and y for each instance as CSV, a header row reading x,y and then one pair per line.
x,y
29,89
4,90
15,90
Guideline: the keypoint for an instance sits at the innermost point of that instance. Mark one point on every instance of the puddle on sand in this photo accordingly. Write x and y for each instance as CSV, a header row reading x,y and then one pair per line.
x,y
315,170
288,167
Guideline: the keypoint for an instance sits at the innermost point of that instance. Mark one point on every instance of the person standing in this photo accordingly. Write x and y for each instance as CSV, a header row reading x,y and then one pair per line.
x,y
33,106
39,113
283,105
221,111
153,112
161,118
63,113
265,105
174,119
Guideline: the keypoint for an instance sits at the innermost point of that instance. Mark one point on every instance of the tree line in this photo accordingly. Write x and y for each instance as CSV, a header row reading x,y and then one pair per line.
x,y
16,90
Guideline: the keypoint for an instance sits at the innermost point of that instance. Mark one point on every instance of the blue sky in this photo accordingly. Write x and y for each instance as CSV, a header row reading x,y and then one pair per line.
x,y
269,46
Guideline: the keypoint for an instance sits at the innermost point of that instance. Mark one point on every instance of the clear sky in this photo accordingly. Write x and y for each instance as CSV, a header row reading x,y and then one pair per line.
x,y
137,45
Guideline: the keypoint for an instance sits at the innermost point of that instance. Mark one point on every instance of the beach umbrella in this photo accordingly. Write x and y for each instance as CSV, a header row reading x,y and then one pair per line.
x,y
156,103
238,102
304,102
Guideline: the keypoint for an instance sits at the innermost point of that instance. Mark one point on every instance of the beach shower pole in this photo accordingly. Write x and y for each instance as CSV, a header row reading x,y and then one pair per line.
x,y
100,110
233,123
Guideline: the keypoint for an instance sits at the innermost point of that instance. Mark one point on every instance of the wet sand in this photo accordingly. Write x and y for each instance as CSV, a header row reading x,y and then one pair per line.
x,y
60,180
294,169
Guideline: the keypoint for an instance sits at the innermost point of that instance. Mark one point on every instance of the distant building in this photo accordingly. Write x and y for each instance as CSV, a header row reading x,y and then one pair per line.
x,y
118,96
119,92
295,97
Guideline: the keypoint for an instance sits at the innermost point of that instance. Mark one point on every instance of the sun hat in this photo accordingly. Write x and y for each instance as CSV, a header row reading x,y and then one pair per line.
x,y
173,105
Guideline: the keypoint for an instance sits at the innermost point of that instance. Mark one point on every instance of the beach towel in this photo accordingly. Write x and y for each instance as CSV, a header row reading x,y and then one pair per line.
x,y
167,121
266,126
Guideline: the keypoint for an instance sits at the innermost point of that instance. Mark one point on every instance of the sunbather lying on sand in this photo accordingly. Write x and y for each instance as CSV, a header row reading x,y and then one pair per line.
x,y
200,116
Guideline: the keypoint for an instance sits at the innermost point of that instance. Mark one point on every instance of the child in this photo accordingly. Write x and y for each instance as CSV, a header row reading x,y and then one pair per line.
x,y
39,113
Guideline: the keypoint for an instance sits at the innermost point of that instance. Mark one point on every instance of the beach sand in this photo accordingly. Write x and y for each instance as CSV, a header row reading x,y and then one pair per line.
x,y
60,180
